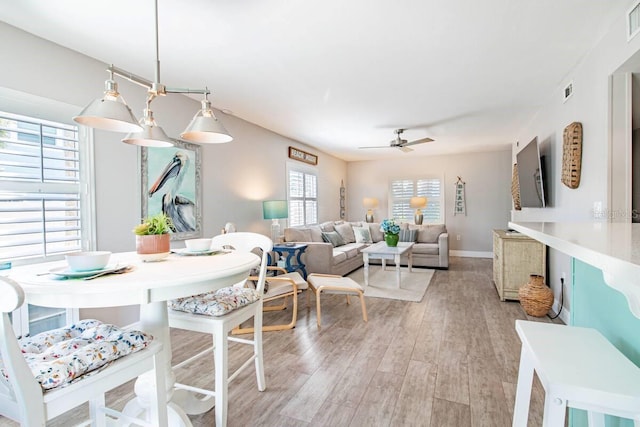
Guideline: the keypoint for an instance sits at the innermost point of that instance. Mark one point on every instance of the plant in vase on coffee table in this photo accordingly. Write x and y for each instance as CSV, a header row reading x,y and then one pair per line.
x,y
391,231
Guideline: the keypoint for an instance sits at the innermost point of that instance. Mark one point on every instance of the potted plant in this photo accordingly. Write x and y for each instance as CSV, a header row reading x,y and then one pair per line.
x,y
391,231
152,237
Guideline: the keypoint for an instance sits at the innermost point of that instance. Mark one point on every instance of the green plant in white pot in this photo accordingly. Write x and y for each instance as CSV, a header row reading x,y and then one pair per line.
x,y
152,237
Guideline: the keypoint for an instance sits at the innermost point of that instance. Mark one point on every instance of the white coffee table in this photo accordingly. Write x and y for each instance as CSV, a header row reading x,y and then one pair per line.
x,y
383,252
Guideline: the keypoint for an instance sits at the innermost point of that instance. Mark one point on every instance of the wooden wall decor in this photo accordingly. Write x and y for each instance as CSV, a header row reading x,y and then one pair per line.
x,y
303,156
572,155
515,188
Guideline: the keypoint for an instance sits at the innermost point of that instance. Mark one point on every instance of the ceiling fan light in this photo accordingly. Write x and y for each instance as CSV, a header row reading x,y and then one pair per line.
x,y
205,128
110,112
151,135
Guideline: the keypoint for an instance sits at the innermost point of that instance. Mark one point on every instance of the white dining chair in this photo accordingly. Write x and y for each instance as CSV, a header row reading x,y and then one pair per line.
x,y
217,313
51,373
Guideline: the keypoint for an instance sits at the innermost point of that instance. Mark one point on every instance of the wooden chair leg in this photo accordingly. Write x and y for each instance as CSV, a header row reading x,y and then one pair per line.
x,y
318,314
270,328
364,307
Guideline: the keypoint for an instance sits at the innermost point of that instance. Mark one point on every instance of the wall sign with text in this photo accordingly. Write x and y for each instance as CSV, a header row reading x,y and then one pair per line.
x,y
303,156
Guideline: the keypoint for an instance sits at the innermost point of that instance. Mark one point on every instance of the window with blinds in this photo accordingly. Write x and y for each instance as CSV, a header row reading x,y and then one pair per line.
x,y
39,188
401,192
303,198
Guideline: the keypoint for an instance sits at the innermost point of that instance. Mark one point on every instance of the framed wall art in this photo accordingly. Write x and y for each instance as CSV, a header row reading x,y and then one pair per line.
x,y
171,180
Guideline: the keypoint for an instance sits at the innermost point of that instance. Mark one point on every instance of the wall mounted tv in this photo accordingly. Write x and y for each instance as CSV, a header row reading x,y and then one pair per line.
x,y
531,176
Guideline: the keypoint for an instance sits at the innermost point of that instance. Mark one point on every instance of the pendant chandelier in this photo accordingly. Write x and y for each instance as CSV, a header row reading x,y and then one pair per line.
x,y
112,113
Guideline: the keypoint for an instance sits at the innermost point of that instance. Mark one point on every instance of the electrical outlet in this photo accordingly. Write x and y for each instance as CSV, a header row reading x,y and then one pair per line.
x,y
563,275
457,237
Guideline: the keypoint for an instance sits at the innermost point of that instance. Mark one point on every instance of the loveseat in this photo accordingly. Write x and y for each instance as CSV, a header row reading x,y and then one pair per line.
x,y
334,247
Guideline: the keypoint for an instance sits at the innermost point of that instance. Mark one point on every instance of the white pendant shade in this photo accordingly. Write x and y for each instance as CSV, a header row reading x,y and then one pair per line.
x,y
109,113
152,135
205,127
206,130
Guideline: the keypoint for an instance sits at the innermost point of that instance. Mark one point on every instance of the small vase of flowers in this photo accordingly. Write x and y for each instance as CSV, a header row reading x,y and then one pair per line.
x,y
391,232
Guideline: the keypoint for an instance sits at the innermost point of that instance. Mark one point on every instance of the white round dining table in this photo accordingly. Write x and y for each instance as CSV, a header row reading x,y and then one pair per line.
x,y
149,285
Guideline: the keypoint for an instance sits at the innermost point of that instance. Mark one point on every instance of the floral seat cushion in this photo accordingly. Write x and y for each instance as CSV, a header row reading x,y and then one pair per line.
x,y
59,356
216,303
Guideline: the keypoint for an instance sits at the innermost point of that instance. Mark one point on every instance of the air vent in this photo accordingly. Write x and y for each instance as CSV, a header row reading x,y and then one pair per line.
x,y
633,21
567,92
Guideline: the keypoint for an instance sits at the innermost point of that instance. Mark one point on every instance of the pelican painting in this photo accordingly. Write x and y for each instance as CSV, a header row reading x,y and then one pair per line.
x,y
179,208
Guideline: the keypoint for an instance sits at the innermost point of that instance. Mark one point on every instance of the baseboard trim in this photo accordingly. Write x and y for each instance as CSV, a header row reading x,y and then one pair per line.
x,y
471,254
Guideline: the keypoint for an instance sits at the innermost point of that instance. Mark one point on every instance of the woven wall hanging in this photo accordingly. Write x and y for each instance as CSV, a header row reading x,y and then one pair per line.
x,y
515,188
572,155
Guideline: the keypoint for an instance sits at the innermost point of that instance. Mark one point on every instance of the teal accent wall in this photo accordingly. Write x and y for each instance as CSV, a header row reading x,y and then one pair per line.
x,y
596,305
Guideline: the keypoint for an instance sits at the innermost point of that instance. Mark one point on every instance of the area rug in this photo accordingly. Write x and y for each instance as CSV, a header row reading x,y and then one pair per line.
x,y
382,284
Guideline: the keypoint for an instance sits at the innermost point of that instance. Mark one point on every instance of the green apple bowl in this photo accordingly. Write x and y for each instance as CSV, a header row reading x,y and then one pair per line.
x,y
87,261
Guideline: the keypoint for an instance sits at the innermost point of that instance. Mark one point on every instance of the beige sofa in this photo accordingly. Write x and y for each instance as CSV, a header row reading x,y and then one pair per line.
x,y
431,248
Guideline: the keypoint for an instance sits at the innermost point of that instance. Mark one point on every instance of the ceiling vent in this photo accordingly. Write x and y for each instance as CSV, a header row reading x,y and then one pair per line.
x,y
633,21
567,92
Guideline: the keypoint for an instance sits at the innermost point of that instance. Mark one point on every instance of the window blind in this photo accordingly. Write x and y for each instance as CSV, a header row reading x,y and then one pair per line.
x,y
303,198
402,190
39,188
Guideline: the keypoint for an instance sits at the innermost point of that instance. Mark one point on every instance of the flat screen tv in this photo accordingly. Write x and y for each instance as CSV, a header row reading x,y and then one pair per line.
x,y
531,176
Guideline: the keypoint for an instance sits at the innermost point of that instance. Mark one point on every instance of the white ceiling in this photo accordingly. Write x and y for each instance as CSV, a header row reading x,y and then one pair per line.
x,y
339,74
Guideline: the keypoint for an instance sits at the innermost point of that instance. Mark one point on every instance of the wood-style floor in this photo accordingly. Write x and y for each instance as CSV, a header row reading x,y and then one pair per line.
x,y
450,360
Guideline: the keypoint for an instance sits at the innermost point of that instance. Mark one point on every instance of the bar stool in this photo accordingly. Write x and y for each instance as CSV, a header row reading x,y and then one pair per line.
x,y
578,368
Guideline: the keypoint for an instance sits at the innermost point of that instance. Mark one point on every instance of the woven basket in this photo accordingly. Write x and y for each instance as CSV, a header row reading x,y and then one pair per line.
x,y
572,155
535,297
515,188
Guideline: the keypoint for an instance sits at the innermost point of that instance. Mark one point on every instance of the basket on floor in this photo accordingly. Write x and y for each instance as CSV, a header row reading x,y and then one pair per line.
x,y
536,298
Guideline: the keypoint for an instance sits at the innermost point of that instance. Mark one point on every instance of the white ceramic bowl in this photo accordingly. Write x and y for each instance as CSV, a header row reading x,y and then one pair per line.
x,y
85,261
198,245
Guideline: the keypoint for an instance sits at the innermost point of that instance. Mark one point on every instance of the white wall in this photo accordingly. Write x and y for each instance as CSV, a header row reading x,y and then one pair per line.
x,y
236,176
590,104
488,192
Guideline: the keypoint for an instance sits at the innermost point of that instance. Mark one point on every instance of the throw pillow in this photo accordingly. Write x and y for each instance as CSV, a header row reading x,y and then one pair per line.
x,y
297,235
316,233
362,234
408,235
429,233
332,237
346,232
328,226
376,234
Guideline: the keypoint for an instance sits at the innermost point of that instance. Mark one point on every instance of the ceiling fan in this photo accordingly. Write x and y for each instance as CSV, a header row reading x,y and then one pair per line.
x,y
402,144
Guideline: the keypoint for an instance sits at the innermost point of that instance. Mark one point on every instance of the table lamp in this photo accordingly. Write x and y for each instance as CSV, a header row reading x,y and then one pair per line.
x,y
418,203
274,210
369,203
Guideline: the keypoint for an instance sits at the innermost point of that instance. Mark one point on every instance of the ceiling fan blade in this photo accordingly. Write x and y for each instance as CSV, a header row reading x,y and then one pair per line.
x,y
405,149
418,141
377,146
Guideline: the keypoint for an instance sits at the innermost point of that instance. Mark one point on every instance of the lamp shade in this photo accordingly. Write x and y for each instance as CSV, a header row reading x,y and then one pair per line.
x,y
275,209
151,136
206,128
418,202
370,202
108,113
